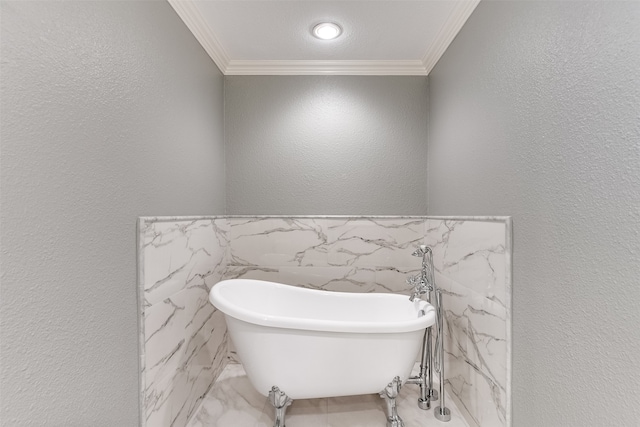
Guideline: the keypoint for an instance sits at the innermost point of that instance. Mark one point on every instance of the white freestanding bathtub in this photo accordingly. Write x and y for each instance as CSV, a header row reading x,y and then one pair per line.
x,y
313,343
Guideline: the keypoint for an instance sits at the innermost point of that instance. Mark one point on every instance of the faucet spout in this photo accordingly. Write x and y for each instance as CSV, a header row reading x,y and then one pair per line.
x,y
421,250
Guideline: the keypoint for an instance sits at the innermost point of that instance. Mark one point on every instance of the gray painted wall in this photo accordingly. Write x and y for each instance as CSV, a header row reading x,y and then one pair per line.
x,y
300,145
535,113
110,110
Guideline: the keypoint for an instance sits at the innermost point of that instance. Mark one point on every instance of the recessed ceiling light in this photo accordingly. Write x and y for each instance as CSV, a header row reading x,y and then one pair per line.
x,y
327,30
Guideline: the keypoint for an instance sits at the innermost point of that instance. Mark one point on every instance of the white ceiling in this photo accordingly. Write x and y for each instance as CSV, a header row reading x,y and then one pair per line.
x,y
273,37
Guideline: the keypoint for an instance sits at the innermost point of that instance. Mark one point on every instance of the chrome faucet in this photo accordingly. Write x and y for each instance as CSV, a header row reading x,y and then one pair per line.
x,y
424,282
432,358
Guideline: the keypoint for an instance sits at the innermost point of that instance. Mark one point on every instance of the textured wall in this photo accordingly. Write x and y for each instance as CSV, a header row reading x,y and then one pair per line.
x,y
326,145
535,113
110,110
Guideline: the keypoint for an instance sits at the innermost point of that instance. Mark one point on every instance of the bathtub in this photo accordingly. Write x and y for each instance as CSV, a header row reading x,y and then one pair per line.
x,y
313,343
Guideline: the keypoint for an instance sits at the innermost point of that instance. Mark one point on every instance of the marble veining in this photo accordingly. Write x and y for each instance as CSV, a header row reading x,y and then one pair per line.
x,y
184,345
181,254
471,253
359,255
473,268
183,337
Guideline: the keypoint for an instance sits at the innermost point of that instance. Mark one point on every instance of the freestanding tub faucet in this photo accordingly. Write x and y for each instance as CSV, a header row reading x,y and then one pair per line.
x,y
424,283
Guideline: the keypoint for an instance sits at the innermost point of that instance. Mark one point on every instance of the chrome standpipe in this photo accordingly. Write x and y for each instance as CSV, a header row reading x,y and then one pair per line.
x,y
427,392
424,283
280,401
442,413
389,394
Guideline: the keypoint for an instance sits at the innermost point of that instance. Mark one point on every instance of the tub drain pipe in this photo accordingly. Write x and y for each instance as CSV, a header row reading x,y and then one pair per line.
x,y
425,378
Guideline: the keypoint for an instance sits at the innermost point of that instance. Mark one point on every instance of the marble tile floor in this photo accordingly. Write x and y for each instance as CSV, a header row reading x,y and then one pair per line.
x,y
233,402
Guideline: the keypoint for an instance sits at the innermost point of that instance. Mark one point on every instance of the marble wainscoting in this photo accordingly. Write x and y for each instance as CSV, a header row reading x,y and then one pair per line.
x,y
473,267
348,254
182,336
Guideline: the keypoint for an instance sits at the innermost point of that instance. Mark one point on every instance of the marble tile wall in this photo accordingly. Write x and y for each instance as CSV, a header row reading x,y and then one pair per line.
x,y
182,337
354,254
373,254
473,267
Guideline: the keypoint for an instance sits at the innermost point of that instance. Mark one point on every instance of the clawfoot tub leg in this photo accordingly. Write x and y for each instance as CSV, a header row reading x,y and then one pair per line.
x,y
389,394
280,401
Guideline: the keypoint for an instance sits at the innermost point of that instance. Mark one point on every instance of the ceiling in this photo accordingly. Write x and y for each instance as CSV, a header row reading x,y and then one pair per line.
x,y
273,37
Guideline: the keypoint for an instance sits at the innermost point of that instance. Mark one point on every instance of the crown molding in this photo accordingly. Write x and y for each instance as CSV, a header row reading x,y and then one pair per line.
x,y
360,68
459,15
192,17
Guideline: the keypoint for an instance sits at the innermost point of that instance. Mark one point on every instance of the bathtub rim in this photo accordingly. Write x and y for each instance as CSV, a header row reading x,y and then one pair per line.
x,y
282,322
